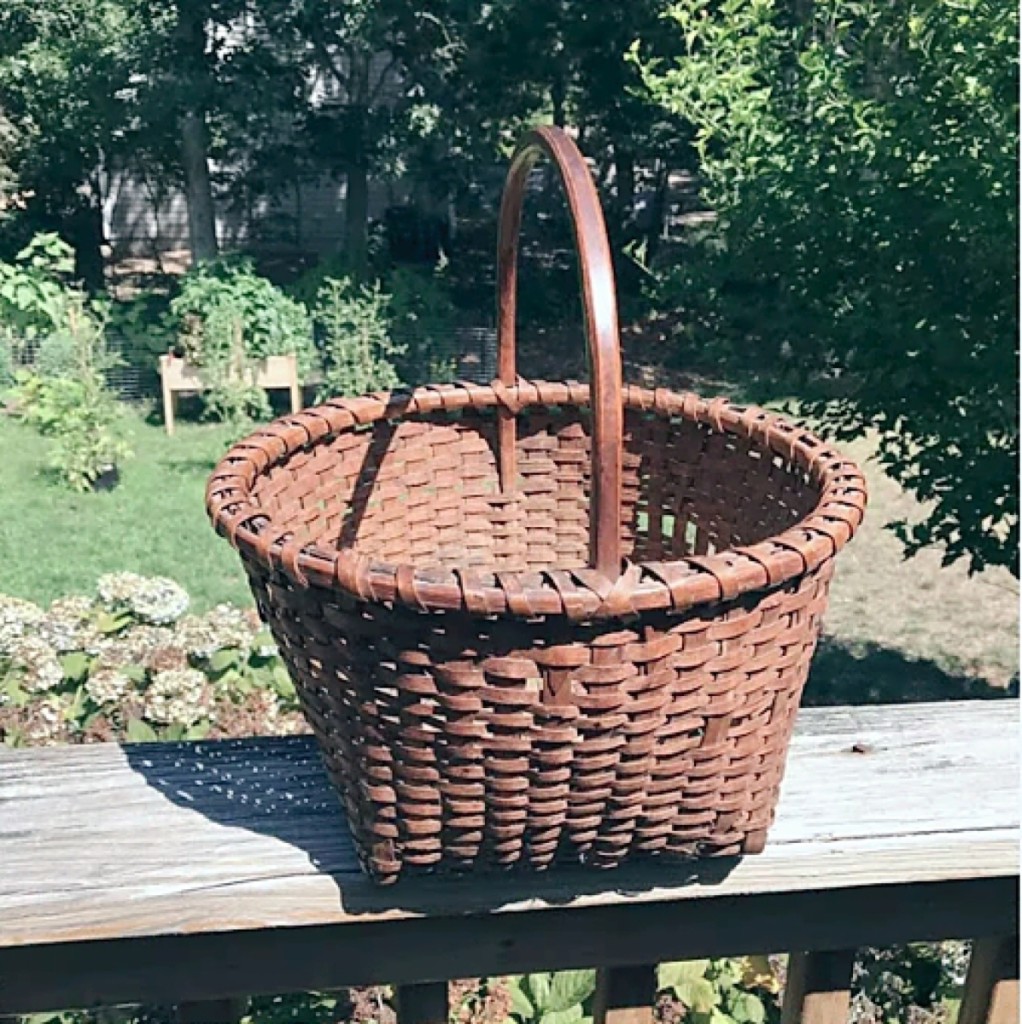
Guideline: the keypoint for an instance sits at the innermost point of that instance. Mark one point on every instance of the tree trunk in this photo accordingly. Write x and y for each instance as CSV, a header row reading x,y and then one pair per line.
x,y
85,234
624,173
356,201
655,229
356,218
191,38
198,190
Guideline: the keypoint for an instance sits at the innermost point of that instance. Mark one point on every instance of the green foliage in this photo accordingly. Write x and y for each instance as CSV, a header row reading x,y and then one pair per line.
x,y
228,318
422,318
560,997
64,394
353,326
722,991
143,326
862,161
36,298
82,418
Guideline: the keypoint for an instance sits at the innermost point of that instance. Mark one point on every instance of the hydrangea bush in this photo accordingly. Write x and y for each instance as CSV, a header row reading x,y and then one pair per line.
x,y
128,663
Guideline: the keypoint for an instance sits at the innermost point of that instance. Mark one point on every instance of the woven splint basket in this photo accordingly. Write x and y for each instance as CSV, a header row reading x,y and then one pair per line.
x,y
534,622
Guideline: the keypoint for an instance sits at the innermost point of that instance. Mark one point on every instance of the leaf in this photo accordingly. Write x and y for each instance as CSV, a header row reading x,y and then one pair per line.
x,y
112,622
538,987
138,731
520,1004
264,638
136,673
570,988
75,666
12,688
671,975
757,973
224,659
573,1015
698,994
747,1008
73,712
198,732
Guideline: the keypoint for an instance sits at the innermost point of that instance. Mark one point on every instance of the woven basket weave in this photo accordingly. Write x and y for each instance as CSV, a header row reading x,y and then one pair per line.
x,y
531,621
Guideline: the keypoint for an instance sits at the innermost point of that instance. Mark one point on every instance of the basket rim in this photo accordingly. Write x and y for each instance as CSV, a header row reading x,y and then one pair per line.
x,y
579,594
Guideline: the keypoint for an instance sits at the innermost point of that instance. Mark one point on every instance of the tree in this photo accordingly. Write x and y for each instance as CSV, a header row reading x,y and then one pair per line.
x,y
862,159
63,82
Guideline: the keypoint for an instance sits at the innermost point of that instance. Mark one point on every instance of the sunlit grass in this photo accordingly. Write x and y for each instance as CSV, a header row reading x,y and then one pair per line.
x,y
55,542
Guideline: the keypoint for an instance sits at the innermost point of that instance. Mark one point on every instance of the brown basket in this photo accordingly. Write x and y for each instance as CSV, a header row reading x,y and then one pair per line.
x,y
521,638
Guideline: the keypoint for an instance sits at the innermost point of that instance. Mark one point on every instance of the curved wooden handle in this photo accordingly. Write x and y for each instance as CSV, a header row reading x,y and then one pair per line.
x,y
599,306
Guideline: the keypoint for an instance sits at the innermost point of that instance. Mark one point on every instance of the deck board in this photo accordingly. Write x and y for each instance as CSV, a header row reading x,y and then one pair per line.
x,y
104,842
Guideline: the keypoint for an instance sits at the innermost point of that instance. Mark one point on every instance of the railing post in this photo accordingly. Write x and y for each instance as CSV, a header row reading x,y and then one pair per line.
x,y
991,985
625,995
422,1004
818,987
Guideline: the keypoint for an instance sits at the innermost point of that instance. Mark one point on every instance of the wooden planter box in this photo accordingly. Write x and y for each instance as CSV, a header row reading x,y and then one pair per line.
x,y
177,375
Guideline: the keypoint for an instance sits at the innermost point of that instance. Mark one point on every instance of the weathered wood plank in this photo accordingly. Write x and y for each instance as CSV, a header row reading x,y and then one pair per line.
x,y
105,842
817,988
625,995
266,960
209,852
991,985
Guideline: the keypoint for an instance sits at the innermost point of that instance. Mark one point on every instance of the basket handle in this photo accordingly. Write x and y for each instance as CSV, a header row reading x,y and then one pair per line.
x,y
599,306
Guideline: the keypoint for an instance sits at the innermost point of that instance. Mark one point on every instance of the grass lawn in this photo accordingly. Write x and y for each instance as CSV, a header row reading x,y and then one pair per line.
x,y
895,629
56,542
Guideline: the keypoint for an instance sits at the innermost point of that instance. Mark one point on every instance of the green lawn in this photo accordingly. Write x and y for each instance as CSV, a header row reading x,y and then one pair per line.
x,y
894,629
55,542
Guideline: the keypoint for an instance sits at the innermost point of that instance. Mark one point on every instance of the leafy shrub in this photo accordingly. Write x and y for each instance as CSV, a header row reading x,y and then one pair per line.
x,y
64,396
353,332
7,366
378,336
83,420
862,160
36,295
143,326
228,318
127,663
422,320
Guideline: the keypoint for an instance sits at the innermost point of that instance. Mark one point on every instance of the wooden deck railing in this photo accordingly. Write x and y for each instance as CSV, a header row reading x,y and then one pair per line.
x,y
200,873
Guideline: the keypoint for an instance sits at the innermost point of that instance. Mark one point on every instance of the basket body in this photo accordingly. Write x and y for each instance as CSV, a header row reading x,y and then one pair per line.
x,y
531,622
460,739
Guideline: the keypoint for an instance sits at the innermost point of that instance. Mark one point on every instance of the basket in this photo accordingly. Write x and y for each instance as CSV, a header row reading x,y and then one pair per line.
x,y
537,622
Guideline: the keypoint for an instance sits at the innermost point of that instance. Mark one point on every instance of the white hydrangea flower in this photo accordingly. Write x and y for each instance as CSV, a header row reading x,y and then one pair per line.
x,y
60,635
65,626
107,686
46,722
92,641
116,588
75,608
224,626
133,646
160,601
17,618
37,664
155,599
177,696
954,959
